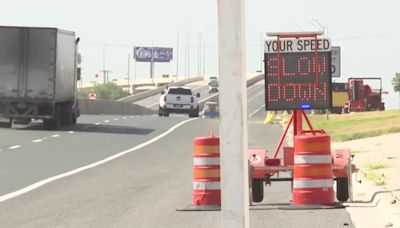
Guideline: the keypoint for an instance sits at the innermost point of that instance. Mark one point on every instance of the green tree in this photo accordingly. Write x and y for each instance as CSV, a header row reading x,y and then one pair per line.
x,y
396,84
109,91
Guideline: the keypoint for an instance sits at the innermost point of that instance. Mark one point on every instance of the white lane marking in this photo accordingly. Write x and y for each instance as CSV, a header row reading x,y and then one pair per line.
x,y
97,123
116,119
251,99
106,121
81,169
71,132
14,147
255,112
124,118
37,140
55,136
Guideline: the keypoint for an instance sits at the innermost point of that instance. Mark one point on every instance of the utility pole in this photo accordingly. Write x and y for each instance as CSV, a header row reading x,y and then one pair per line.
x,y
129,73
233,110
177,55
188,46
204,57
104,64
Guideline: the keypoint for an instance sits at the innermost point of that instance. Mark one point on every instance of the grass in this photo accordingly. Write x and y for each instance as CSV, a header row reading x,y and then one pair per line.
x,y
371,174
357,125
379,180
375,166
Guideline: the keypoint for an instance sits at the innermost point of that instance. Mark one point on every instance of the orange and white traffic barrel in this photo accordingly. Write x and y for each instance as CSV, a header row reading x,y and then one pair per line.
x,y
206,182
312,174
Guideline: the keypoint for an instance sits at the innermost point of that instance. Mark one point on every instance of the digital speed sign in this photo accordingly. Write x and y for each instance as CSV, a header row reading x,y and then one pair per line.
x,y
294,79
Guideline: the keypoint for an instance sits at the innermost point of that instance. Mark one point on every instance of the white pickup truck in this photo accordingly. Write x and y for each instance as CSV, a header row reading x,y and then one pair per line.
x,y
178,99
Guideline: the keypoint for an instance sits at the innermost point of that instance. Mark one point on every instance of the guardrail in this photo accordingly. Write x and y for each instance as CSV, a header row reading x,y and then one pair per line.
x,y
152,92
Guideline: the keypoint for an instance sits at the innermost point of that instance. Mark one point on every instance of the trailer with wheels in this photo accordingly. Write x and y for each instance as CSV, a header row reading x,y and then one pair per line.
x,y
39,69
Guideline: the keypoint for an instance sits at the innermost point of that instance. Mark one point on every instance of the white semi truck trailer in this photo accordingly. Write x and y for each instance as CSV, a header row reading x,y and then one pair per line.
x,y
39,70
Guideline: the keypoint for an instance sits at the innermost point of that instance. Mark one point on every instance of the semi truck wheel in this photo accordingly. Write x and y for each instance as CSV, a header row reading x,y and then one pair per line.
x,y
257,190
342,189
55,122
67,116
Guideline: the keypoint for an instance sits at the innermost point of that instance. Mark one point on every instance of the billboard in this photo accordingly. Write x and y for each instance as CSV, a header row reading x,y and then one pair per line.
x,y
158,54
293,80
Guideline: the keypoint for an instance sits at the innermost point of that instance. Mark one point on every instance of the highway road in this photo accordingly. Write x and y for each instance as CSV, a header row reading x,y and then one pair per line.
x,y
129,171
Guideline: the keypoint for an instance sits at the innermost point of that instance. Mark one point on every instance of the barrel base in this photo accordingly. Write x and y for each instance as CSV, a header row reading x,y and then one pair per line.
x,y
313,196
206,197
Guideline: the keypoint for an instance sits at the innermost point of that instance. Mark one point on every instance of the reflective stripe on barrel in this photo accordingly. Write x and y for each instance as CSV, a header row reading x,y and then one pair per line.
x,y
312,172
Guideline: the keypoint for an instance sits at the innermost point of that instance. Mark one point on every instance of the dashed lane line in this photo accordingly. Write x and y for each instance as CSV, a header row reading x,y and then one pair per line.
x,y
14,147
81,169
257,110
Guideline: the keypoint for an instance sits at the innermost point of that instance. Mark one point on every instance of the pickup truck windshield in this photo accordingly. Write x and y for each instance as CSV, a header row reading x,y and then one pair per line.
x,y
180,91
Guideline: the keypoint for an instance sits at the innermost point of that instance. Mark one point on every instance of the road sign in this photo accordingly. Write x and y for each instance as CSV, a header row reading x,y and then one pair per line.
x,y
291,77
335,56
155,54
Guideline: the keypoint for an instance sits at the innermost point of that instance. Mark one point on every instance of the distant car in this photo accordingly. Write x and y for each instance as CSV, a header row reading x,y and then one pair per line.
x,y
213,86
178,99
213,78
211,109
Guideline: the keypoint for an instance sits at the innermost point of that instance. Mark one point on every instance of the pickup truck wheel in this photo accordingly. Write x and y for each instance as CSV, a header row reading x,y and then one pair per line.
x,y
257,190
161,111
194,113
166,114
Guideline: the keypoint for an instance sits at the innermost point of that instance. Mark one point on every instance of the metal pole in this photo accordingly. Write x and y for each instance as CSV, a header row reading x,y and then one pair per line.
x,y
129,73
262,53
204,57
198,54
188,53
177,55
233,109
135,69
104,63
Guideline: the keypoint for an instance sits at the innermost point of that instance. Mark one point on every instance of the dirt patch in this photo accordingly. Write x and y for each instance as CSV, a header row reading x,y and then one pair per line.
x,y
377,197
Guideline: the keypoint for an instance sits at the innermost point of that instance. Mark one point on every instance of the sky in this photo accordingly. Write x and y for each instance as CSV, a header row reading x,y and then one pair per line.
x,y
366,30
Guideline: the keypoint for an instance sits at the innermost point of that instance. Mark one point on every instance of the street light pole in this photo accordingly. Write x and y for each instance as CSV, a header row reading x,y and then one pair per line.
x,y
129,73
261,47
177,55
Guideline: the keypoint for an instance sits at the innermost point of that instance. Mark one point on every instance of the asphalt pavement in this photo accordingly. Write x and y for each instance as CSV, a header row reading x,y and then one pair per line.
x,y
142,188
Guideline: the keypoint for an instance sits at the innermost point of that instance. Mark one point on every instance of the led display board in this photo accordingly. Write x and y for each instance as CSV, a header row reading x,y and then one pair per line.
x,y
293,79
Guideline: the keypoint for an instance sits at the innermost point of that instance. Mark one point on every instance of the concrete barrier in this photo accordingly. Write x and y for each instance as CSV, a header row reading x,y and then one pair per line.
x,y
107,107
153,92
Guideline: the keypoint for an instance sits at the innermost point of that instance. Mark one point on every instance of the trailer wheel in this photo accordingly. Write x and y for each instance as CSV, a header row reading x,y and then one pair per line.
x,y
342,189
74,119
257,190
54,123
67,116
